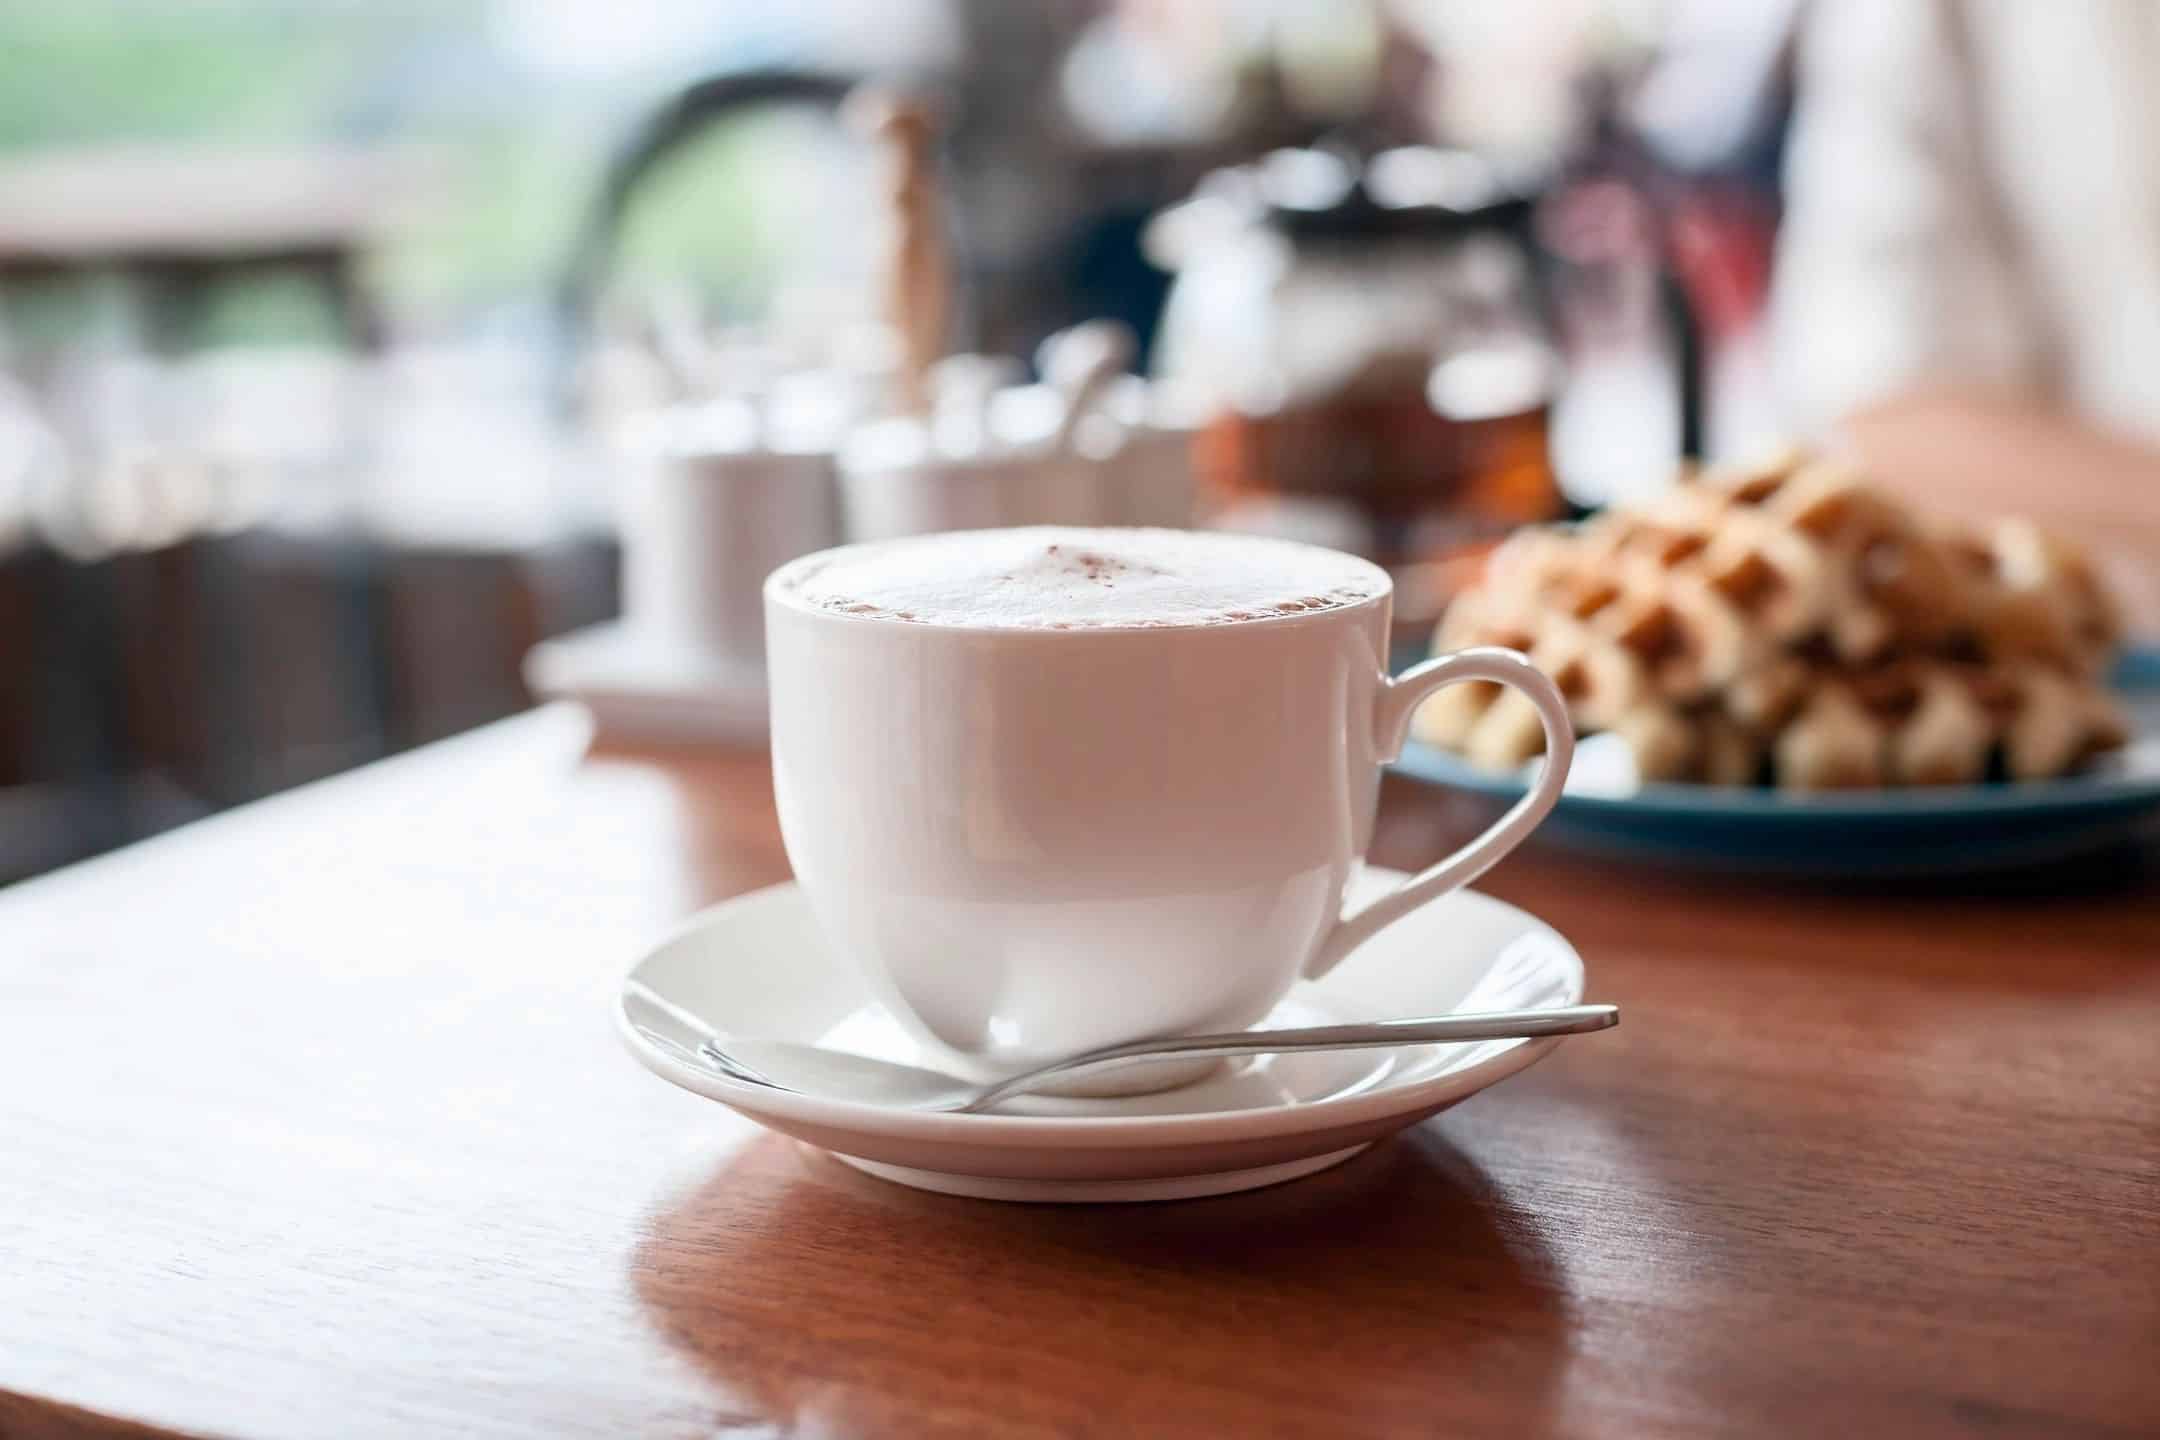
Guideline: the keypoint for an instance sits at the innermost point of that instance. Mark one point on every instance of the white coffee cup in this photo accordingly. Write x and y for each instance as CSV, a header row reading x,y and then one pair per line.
x,y
711,506
1034,841
970,492
897,479
1102,448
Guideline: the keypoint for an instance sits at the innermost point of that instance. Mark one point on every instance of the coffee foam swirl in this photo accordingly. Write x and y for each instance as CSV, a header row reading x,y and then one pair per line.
x,y
1055,578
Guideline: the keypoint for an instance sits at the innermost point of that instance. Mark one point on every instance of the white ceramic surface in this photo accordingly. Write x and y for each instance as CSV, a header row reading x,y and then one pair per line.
x,y
758,965
1160,422
706,519
636,688
885,498
1041,841
1128,464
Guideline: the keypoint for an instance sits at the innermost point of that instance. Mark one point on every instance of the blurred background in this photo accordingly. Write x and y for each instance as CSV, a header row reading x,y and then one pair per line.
x,y
322,321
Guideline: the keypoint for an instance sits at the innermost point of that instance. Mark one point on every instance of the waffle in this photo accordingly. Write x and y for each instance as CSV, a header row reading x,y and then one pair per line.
x,y
1786,622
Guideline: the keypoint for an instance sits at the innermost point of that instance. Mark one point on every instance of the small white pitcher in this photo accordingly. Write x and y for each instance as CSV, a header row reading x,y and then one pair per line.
x,y
716,500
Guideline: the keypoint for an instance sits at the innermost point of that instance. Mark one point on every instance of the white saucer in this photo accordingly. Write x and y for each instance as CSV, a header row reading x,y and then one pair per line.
x,y
758,966
638,690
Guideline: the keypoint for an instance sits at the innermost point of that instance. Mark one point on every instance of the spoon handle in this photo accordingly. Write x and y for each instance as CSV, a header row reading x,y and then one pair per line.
x,y
1371,1035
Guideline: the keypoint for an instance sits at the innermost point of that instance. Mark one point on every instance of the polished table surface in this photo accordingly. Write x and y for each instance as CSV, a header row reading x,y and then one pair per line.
x,y
312,1123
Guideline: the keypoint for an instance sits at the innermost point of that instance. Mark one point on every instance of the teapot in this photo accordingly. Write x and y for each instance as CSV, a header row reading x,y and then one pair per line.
x,y
1370,339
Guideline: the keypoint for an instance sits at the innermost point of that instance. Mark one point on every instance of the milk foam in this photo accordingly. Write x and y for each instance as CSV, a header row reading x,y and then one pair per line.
x,y
1056,578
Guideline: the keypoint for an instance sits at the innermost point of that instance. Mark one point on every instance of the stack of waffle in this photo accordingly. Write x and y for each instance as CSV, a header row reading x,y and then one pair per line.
x,y
1787,624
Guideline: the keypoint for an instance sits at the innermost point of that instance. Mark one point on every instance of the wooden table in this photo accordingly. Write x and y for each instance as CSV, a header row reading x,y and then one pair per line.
x,y
312,1123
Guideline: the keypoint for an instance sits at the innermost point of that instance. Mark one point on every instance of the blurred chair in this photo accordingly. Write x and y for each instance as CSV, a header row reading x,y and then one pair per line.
x,y
175,219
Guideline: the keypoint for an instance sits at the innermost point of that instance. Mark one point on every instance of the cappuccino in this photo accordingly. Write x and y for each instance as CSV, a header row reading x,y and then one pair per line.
x,y
1056,578
1061,788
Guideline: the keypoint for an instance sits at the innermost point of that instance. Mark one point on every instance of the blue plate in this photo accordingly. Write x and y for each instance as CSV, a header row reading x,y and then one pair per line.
x,y
1846,833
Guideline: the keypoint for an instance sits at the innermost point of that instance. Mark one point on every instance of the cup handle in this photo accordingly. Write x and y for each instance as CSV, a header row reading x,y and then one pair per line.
x,y
1400,697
